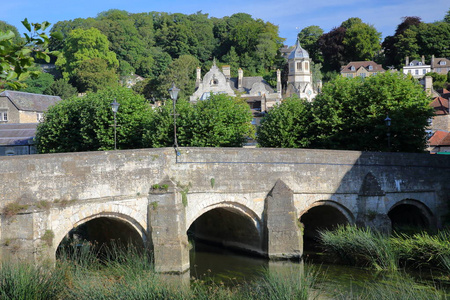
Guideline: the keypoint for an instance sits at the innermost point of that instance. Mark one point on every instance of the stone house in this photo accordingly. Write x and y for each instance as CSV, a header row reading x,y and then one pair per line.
x,y
361,68
440,65
21,107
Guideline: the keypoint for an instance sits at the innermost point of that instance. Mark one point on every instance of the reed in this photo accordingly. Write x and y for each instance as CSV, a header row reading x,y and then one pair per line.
x,y
360,247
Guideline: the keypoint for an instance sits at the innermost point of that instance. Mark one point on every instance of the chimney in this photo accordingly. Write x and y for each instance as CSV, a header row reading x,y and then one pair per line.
x,y
240,75
407,61
199,77
279,82
429,85
423,59
226,71
432,63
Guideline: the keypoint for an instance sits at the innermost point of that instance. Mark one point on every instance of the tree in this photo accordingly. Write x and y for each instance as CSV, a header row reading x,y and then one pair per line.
x,y
17,56
349,114
61,88
80,47
447,17
362,42
308,37
86,123
37,84
286,125
220,121
332,48
93,75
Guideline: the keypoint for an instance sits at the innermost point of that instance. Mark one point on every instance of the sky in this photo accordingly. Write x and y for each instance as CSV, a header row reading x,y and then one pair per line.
x,y
290,15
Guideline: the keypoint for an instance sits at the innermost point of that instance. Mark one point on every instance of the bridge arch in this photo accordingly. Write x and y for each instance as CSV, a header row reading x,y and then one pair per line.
x,y
324,214
228,224
410,213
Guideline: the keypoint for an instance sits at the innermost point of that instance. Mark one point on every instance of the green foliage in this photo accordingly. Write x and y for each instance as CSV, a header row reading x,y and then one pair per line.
x,y
38,84
440,81
308,37
362,42
12,209
86,124
61,88
17,56
360,247
22,280
85,53
220,121
349,114
286,125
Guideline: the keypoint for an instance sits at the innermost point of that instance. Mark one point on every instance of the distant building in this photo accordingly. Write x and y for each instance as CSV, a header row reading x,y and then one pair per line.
x,y
361,69
17,139
416,68
439,142
258,93
300,80
440,65
21,107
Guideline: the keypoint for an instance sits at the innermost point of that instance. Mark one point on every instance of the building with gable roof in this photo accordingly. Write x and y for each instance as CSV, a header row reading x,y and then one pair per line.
x,y
361,68
21,107
254,89
440,65
416,68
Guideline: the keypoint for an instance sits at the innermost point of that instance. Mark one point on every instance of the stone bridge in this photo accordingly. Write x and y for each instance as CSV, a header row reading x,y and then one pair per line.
x,y
264,201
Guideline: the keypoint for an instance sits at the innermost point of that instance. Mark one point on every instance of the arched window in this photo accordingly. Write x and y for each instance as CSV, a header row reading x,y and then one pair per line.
x,y
299,66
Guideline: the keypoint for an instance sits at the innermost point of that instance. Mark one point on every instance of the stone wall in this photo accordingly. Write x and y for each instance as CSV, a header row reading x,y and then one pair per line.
x,y
161,195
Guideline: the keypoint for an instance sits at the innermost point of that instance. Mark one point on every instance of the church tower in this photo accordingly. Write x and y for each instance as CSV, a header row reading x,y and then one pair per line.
x,y
300,80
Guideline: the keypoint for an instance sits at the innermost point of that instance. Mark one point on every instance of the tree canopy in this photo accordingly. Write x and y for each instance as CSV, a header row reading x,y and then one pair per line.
x,y
86,123
349,114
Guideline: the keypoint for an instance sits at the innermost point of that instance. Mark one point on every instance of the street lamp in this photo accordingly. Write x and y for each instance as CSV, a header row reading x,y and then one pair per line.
x,y
387,121
115,107
173,91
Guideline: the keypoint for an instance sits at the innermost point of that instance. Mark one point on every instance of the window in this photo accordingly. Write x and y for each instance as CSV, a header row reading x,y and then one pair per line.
x,y
349,75
299,66
417,72
306,66
419,64
370,68
442,63
40,117
3,116
424,71
363,75
352,68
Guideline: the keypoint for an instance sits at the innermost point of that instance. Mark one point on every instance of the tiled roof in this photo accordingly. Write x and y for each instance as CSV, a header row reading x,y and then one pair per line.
x,y
440,138
358,64
17,134
438,60
30,102
440,106
247,83
298,52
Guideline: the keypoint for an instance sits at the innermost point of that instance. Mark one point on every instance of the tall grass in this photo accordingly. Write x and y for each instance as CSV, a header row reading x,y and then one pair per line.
x,y
19,280
360,247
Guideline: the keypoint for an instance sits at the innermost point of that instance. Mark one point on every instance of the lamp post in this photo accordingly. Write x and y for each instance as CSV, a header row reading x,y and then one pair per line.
x,y
387,121
173,91
115,107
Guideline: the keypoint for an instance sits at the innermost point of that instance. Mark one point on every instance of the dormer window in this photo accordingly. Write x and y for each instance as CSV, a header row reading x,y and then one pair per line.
x,y
411,64
370,68
419,64
352,68
442,62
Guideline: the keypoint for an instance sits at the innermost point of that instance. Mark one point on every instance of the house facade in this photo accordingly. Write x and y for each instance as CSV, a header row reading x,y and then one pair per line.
x,y
440,65
21,107
361,69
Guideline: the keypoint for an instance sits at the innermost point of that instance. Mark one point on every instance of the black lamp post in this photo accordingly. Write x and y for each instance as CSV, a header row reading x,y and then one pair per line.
x,y
115,107
173,91
387,121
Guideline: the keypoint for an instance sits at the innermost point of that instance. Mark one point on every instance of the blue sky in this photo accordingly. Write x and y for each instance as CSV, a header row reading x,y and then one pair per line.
x,y
290,15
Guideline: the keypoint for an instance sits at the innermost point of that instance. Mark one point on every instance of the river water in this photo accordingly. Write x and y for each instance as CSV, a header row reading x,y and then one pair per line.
x,y
231,268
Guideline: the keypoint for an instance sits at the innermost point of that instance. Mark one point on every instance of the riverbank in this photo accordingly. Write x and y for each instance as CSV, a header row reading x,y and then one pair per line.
x,y
128,274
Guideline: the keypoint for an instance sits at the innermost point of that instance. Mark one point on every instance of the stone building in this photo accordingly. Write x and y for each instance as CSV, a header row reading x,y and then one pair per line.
x,y
300,80
21,107
361,69
258,93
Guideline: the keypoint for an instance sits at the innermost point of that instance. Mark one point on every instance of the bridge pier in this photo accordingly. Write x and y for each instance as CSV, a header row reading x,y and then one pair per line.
x,y
284,237
166,227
